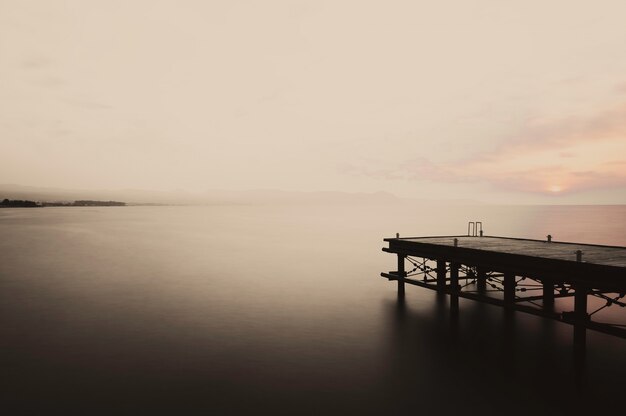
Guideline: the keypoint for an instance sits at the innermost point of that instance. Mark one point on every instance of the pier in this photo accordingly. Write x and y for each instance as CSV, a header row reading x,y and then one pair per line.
x,y
517,274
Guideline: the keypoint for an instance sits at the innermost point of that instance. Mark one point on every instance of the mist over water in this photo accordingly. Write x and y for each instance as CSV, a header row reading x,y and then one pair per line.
x,y
277,310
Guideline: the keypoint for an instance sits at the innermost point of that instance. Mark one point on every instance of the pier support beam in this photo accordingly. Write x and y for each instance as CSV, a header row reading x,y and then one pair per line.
x,y
401,275
548,293
441,276
481,279
509,289
454,287
580,319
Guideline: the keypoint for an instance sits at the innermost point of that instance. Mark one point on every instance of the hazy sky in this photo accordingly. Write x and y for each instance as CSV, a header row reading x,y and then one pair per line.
x,y
495,100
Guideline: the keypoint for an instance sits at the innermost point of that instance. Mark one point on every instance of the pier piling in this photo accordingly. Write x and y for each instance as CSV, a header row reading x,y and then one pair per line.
x,y
580,317
509,289
454,287
481,279
441,276
548,293
401,274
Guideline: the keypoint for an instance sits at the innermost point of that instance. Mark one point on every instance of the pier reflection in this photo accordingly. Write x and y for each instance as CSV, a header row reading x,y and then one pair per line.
x,y
483,360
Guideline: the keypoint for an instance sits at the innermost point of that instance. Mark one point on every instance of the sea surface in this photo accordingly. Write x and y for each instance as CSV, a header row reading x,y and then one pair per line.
x,y
228,310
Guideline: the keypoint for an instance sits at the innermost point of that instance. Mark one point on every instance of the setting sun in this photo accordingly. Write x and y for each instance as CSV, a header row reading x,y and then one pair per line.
x,y
556,189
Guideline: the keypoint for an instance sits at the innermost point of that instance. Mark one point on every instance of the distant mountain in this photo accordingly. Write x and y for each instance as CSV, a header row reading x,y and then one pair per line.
x,y
268,196
178,197
209,197
13,191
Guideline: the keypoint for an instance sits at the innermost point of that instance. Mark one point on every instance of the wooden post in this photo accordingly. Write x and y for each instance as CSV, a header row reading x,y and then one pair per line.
x,y
401,274
481,279
548,293
454,287
441,276
509,289
580,318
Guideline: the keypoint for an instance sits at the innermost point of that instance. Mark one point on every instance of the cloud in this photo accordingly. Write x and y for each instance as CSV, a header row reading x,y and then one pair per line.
x,y
567,155
89,105
621,88
557,180
35,62
49,82
543,179
616,163
410,170
590,152
544,133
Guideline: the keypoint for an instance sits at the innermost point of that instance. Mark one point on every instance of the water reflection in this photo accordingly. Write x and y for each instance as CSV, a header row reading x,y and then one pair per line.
x,y
485,360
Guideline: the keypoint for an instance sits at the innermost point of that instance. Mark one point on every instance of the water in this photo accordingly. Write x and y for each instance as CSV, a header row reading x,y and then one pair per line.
x,y
276,310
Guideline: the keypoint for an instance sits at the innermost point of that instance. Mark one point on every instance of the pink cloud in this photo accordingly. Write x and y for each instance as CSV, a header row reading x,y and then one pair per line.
x,y
544,157
553,180
621,88
542,180
542,134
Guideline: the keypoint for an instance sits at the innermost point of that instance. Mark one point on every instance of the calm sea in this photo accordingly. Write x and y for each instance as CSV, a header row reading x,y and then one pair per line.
x,y
278,310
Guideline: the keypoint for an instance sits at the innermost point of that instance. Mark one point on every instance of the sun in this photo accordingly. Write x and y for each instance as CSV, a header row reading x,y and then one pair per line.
x,y
555,189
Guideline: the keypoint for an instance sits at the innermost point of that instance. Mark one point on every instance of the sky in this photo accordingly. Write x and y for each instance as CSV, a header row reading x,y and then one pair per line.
x,y
498,101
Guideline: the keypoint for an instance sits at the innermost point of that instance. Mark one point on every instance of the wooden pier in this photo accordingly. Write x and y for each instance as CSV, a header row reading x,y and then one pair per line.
x,y
517,274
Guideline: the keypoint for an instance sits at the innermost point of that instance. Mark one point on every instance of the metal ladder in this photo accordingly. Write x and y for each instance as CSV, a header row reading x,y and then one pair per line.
x,y
473,229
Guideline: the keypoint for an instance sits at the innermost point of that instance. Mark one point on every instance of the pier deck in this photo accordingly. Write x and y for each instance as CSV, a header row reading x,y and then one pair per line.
x,y
509,271
592,253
